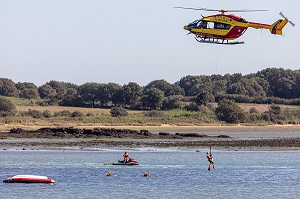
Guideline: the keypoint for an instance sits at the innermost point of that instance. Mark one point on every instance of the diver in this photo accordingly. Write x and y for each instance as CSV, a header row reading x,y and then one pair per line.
x,y
126,157
210,160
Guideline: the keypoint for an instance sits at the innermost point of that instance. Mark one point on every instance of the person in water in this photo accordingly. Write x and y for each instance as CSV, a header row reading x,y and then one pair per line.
x,y
126,157
210,160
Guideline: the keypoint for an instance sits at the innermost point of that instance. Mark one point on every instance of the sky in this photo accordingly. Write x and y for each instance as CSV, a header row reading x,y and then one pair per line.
x,y
103,41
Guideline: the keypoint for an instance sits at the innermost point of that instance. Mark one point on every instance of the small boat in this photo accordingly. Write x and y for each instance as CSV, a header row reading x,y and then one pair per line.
x,y
130,162
28,179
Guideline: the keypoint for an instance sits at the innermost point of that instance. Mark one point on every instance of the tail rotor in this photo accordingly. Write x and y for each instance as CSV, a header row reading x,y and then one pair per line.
x,y
281,14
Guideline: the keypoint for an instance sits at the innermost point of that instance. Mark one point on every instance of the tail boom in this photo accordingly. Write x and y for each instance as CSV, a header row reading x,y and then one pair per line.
x,y
275,28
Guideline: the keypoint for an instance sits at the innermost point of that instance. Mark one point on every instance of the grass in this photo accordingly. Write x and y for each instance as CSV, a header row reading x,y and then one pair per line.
x,y
103,117
22,101
265,107
100,116
53,109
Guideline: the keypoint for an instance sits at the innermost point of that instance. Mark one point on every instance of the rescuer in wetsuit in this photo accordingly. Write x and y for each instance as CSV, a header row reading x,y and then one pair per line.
x,y
210,160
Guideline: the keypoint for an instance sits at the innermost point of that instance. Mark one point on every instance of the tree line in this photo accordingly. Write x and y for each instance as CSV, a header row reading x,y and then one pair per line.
x,y
271,85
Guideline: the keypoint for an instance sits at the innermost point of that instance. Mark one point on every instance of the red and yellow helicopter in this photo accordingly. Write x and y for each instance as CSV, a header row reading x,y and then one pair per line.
x,y
223,28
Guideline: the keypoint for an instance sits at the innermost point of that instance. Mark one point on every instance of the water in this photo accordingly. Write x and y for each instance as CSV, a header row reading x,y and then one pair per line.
x,y
174,174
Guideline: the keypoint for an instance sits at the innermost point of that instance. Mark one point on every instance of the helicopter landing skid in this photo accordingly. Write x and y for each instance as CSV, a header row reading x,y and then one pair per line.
x,y
218,41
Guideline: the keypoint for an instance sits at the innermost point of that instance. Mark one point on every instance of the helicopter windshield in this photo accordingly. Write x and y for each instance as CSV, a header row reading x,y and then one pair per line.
x,y
198,24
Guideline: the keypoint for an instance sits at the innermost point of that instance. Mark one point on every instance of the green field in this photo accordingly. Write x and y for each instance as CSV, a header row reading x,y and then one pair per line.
x,y
58,115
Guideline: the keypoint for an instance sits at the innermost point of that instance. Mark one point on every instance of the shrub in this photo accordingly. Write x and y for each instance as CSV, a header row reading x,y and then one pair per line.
x,y
118,112
275,109
154,113
7,114
46,114
42,103
192,107
253,110
62,114
230,112
76,114
90,114
34,113
6,105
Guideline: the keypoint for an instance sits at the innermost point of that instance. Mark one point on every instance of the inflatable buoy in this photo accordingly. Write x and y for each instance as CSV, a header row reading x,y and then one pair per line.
x,y
109,174
29,179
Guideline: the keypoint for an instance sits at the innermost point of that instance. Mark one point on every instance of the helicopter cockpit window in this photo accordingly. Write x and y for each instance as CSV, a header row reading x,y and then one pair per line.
x,y
221,26
202,24
210,24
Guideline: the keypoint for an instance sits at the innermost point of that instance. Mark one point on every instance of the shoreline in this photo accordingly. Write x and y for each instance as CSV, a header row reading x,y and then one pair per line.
x,y
274,137
96,145
166,127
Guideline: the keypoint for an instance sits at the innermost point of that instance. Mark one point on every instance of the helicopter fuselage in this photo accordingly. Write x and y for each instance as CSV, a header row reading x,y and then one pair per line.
x,y
229,27
219,26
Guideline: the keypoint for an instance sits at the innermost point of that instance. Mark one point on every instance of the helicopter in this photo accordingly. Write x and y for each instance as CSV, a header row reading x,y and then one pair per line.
x,y
224,28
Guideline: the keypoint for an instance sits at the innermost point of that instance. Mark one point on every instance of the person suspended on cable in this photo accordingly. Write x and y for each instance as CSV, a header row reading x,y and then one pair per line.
x,y
210,160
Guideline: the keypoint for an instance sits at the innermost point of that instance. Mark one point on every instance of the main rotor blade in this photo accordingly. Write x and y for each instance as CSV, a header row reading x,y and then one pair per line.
x,y
205,9
222,10
246,10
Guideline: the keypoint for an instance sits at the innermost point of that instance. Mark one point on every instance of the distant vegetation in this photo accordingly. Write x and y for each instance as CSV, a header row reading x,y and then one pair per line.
x,y
195,96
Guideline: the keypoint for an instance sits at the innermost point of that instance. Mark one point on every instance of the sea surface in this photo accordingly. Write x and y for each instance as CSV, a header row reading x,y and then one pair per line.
x,y
175,173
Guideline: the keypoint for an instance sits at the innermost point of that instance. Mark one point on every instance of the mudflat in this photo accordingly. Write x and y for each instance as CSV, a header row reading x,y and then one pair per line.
x,y
235,136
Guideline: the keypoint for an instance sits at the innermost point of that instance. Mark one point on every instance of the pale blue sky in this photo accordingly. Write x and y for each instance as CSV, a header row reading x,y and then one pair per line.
x,y
138,41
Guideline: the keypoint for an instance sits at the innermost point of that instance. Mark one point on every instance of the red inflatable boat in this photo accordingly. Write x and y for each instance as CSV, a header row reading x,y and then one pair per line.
x,y
28,179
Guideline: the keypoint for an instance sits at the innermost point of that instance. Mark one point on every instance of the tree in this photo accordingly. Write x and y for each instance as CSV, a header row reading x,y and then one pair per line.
x,y
152,98
230,112
205,97
297,82
192,85
8,88
132,93
283,83
219,87
28,90
107,91
118,98
46,92
167,88
172,102
247,87
88,92
71,98
59,87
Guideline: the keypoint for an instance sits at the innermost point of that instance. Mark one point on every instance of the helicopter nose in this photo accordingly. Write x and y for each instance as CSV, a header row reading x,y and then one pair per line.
x,y
185,27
